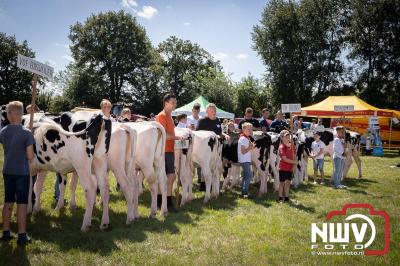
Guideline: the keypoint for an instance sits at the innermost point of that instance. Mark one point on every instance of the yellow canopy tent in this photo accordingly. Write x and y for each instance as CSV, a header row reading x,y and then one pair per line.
x,y
356,120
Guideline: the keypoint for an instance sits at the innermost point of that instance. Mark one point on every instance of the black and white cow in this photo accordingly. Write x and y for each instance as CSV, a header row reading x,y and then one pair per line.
x,y
352,141
120,160
64,152
260,158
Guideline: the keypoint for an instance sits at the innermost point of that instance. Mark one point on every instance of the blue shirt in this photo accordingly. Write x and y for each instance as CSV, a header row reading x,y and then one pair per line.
x,y
15,140
279,125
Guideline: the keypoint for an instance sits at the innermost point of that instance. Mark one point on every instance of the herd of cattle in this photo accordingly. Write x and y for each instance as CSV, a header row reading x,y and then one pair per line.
x,y
88,145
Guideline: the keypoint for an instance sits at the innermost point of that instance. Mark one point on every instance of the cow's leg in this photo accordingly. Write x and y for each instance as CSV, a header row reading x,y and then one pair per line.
x,y
37,188
227,178
206,173
72,189
215,184
263,182
127,189
347,164
89,184
100,169
357,159
62,182
154,193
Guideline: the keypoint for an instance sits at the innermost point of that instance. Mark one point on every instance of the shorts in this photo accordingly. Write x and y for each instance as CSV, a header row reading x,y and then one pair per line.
x,y
170,163
285,175
318,164
16,188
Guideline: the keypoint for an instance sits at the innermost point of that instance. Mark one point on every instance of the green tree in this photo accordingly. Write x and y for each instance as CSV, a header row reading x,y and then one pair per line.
x,y
112,50
185,64
15,83
374,36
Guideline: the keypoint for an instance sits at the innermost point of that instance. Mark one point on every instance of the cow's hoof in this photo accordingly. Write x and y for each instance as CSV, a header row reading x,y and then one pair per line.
x,y
206,200
35,211
85,228
72,206
152,215
359,177
130,220
105,227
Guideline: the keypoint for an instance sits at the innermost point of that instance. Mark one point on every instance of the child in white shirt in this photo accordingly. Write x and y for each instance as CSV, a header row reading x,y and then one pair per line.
x,y
182,121
317,154
244,156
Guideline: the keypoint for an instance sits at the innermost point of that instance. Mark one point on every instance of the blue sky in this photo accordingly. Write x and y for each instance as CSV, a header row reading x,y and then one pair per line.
x,y
221,27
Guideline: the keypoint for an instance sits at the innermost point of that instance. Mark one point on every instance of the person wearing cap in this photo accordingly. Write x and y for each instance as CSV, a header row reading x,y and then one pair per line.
x,y
317,154
286,153
248,118
320,126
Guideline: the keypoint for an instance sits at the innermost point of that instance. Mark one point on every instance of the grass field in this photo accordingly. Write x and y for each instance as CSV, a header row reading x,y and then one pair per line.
x,y
226,231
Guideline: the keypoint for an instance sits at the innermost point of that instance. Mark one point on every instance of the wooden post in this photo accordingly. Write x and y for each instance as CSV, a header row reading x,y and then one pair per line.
x,y
33,102
390,133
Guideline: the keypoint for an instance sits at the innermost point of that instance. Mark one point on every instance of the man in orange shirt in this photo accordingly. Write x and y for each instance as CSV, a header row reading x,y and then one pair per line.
x,y
165,119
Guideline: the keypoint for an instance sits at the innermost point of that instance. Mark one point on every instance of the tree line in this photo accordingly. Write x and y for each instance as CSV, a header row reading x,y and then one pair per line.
x,y
311,49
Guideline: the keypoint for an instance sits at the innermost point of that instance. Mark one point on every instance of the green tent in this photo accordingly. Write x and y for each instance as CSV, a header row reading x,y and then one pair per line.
x,y
187,109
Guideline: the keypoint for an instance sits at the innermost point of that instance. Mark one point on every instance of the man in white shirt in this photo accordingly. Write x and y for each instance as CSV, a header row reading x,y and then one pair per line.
x,y
193,119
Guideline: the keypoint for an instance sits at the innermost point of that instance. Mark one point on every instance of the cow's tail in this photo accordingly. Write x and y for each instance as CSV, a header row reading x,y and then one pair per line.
x,y
131,149
160,148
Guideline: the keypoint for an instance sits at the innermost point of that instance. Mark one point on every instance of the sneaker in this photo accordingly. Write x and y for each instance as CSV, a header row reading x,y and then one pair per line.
x,y
245,196
341,187
315,182
322,183
23,239
7,236
279,200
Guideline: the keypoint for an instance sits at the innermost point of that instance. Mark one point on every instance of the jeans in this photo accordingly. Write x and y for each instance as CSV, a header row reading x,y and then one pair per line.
x,y
56,185
247,174
338,164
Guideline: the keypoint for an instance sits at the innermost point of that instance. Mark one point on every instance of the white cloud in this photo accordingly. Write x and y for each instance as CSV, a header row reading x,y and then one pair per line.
x,y
241,56
129,3
220,56
187,24
147,12
68,57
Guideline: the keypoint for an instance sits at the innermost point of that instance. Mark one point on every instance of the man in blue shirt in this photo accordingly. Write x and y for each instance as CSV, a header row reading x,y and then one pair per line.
x,y
264,120
18,151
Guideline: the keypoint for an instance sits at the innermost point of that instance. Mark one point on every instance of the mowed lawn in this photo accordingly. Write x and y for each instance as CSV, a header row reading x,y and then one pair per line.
x,y
226,231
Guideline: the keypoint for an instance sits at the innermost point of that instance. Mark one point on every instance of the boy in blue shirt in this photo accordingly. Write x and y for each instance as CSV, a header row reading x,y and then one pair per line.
x,y
18,151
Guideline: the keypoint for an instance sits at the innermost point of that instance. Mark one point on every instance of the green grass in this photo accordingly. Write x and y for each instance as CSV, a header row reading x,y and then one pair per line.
x,y
226,231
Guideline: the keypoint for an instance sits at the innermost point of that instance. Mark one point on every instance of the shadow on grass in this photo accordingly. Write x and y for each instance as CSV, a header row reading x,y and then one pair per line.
x,y
13,256
63,230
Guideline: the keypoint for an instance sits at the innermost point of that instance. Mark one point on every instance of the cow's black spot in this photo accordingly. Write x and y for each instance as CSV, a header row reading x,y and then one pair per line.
x,y
44,147
88,152
61,144
65,120
211,143
65,182
40,160
107,127
185,151
79,126
40,152
47,158
327,137
52,135
59,179
53,147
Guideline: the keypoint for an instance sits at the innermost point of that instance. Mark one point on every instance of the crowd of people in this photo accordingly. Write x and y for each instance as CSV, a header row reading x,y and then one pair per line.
x,y
18,144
